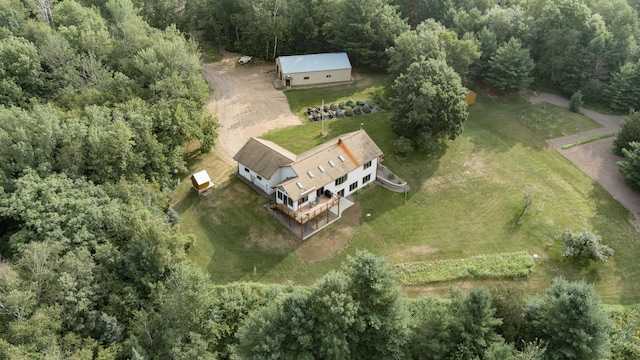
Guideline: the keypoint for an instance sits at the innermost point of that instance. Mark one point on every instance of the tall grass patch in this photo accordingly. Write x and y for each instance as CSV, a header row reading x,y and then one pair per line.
x,y
503,265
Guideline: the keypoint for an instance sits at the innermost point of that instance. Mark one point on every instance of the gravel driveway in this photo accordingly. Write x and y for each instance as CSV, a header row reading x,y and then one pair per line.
x,y
595,158
245,102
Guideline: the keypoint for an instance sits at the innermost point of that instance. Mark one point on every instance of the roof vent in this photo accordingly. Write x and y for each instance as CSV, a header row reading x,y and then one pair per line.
x,y
341,158
300,185
331,163
321,168
310,174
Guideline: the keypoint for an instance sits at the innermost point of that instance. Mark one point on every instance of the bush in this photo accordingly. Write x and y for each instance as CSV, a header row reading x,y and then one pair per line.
x,y
629,132
333,107
584,245
351,103
348,110
403,146
576,102
366,108
173,217
381,100
361,102
341,105
357,110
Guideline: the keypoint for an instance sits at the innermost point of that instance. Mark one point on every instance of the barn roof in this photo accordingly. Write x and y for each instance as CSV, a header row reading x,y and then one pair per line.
x,y
264,157
314,62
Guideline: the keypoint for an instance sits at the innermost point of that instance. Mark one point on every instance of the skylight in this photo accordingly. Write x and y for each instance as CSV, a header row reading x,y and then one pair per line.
x,y
310,174
300,185
341,158
321,168
331,163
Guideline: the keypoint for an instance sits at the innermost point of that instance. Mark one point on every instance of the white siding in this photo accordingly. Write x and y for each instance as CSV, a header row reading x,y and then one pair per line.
x,y
256,179
355,176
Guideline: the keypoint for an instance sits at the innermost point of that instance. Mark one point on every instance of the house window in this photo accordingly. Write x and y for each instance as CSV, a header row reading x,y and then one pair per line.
x,y
303,199
366,179
289,201
259,178
329,75
341,193
367,165
353,186
279,195
341,180
306,78
246,169
319,192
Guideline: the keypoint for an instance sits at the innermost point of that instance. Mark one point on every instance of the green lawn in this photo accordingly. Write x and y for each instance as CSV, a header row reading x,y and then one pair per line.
x,y
464,202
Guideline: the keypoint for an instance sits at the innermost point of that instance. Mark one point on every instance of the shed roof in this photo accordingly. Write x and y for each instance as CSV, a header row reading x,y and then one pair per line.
x,y
201,177
264,157
329,161
314,62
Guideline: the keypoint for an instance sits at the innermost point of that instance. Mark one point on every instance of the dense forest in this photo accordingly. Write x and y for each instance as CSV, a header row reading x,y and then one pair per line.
x,y
98,100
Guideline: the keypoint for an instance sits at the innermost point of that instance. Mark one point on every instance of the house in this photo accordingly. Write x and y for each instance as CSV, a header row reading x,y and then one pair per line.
x,y
313,69
201,181
311,184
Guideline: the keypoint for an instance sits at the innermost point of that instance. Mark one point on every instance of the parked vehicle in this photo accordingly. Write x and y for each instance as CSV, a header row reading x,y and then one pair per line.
x,y
244,59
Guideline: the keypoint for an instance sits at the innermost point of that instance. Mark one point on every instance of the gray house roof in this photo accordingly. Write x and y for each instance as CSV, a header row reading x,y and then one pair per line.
x,y
314,62
264,157
329,161
314,168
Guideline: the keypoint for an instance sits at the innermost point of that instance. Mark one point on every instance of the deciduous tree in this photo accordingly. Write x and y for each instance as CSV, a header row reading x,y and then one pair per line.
x,y
570,321
429,102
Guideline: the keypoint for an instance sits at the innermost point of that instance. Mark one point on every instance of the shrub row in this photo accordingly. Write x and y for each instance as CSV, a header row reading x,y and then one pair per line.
x,y
516,264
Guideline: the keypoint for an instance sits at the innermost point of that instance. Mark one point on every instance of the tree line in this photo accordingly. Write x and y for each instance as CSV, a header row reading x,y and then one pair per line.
x,y
96,107
573,45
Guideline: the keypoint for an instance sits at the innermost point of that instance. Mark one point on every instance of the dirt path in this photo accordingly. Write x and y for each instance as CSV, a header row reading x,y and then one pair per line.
x,y
595,158
245,102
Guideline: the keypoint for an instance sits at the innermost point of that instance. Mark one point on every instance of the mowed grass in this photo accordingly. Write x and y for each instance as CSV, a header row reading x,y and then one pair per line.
x,y
464,201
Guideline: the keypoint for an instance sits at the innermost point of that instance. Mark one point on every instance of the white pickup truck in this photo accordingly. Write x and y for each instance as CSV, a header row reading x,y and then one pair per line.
x,y
244,59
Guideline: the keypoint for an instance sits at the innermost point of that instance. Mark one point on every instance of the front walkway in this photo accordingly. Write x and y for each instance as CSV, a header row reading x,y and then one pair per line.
x,y
595,158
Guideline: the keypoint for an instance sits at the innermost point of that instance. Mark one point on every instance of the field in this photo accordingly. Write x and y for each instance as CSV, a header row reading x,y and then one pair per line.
x,y
464,201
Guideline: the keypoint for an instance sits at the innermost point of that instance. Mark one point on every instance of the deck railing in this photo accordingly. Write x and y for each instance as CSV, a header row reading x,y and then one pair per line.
x,y
306,213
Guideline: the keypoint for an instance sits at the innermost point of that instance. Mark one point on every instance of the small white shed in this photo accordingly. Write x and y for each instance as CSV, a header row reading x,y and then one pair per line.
x,y
201,181
313,69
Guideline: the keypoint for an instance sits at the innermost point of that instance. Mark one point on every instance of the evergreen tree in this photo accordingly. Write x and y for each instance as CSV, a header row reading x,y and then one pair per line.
x,y
630,167
510,67
628,133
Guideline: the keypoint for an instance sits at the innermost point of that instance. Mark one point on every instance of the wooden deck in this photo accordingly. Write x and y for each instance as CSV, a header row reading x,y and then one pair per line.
x,y
314,217
309,211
